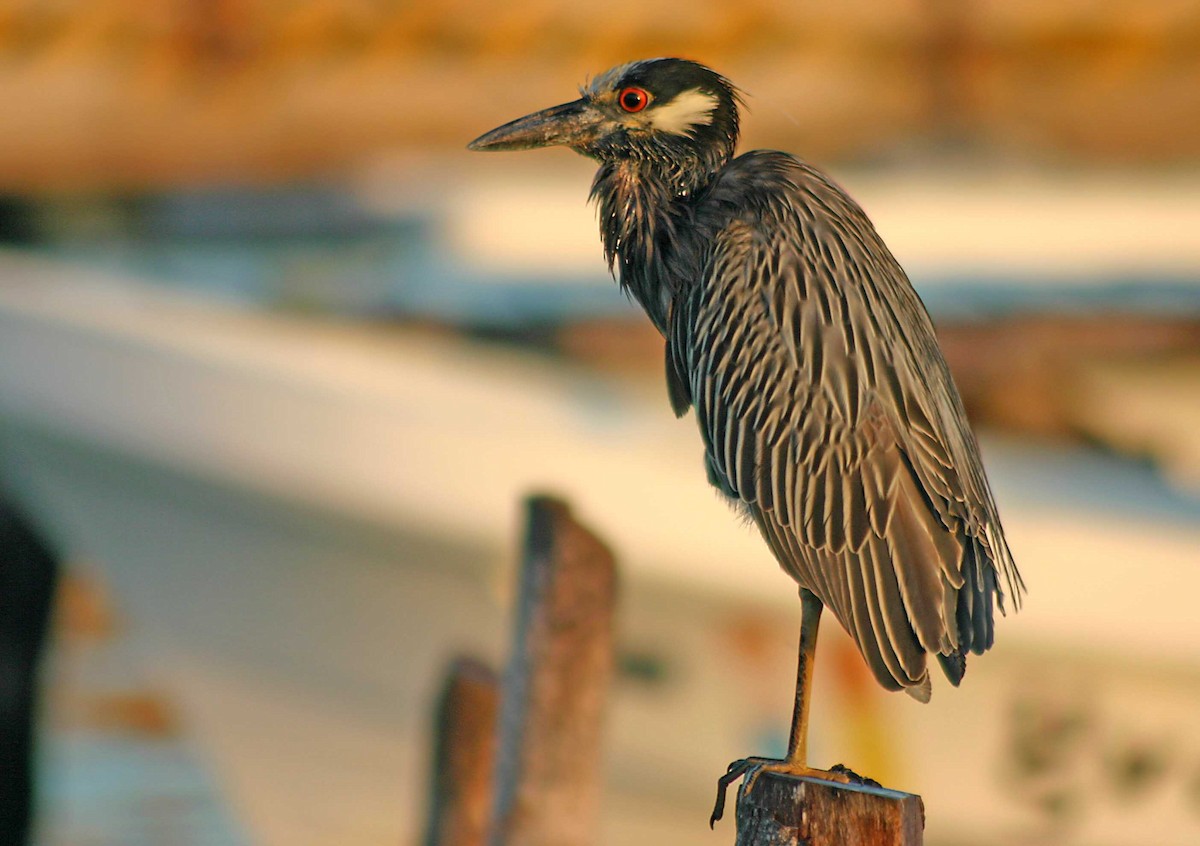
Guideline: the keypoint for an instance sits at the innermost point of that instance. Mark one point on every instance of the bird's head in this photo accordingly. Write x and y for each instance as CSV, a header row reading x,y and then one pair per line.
x,y
670,113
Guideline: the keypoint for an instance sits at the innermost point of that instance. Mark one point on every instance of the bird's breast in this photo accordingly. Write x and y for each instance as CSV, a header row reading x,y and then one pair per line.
x,y
650,240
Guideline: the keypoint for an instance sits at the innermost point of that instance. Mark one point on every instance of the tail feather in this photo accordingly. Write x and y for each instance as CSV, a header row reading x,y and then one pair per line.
x,y
954,666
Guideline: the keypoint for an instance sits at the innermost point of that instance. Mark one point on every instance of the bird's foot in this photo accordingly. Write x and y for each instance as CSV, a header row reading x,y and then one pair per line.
x,y
752,768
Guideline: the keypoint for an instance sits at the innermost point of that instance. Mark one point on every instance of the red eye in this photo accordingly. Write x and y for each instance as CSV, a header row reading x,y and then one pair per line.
x,y
633,99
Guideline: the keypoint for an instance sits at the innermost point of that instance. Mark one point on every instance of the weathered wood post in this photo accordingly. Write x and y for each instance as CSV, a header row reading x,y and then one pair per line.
x,y
548,771
782,810
464,756
541,726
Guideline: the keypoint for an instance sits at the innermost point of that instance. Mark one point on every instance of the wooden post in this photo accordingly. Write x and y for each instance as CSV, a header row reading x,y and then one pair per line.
x,y
782,810
464,757
548,771
545,785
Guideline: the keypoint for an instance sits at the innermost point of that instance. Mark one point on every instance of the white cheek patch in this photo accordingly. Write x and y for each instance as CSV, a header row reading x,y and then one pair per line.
x,y
686,111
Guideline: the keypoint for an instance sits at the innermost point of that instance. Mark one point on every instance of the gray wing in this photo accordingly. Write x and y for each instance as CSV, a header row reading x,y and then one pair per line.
x,y
828,411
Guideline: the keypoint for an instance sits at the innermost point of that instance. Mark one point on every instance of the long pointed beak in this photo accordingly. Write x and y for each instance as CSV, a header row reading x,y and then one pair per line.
x,y
571,124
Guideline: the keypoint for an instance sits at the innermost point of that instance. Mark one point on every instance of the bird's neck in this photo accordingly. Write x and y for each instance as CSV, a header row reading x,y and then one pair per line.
x,y
642,207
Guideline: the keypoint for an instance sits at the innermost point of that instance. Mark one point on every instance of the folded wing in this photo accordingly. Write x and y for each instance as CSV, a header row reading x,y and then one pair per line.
x,y
828,412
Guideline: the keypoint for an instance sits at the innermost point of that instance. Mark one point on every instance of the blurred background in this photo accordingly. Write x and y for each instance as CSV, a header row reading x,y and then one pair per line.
x,y
278,359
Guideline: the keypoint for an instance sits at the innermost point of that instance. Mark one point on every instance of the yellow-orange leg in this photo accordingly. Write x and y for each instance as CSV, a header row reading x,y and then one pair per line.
x,y
796,762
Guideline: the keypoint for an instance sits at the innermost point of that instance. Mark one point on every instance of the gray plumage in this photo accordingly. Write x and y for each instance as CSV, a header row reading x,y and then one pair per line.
x,y
827,411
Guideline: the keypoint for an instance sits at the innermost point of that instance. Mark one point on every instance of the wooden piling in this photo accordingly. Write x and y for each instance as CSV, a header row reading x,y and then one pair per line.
x,y
464,756
549,770
782,810
541,724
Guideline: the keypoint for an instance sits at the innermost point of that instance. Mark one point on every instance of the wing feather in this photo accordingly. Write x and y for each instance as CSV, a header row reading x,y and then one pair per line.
x,y
899,630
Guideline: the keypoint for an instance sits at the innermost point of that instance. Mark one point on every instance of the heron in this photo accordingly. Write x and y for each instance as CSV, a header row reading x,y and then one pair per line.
x,y
827,412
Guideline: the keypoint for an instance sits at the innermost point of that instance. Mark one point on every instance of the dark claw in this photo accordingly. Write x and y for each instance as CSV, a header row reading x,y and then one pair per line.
x,y
854,777
735,771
